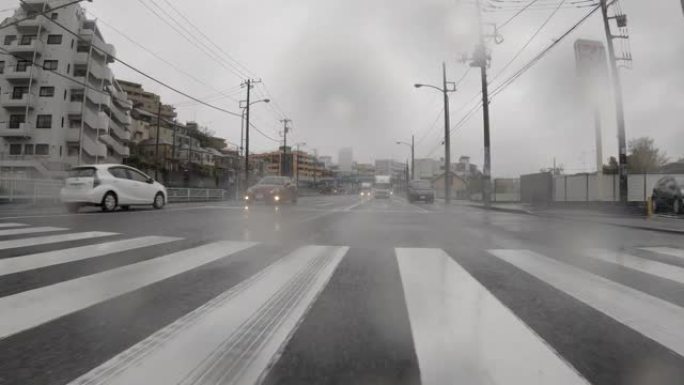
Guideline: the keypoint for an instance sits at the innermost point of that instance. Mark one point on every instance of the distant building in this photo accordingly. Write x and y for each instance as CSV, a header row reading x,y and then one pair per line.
x,y
147,101
345,160
426,168
459,187
364,171
397,170
326,161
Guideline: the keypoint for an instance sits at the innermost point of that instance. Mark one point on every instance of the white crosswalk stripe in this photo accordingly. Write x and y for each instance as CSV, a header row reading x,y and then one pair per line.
x,y
653,317
7,224
49,258
464,334
30,230
31,308
657,269
671,251
48,239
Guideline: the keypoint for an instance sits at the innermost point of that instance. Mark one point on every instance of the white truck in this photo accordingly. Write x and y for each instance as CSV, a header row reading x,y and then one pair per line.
x,y
382,187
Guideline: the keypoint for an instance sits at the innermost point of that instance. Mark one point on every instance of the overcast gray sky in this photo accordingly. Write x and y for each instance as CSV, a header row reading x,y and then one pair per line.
x,y
343,71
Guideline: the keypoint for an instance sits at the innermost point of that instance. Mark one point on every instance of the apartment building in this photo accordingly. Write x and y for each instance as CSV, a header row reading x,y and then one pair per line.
x,y
60,105
148,101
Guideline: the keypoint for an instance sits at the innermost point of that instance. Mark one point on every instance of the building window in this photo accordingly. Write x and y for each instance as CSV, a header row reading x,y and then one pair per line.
x,y
72,150
50,65
80,71
77,95
2,67
65,94
26,39
28,149
9,39
47,91
19,92
54,16
16,121
22,65
54,39
82,48
68,67
44,121
75,123
15,149
42,149
62,122
72,43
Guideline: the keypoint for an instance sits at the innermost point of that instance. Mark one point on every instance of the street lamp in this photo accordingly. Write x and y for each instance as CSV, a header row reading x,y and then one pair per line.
x,y
296,161
413,158
445,89
245,105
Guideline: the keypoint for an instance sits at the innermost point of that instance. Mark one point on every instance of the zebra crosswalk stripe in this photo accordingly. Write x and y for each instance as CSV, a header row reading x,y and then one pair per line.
x,y
48,239
256,318
34,307
654,268
30,230
7,224
55,257
463,334
671,251
653,317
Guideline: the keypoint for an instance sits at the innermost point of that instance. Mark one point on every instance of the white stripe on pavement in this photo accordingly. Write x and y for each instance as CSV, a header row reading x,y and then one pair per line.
x,y
653,317
464,335
235,336
658,269
31,230
4,225
671,251
34,307
35,241
56,257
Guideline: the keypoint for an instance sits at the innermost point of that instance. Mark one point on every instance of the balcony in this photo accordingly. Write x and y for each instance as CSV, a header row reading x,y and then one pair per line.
x,y
100,71
35,46
119,131
13,76
31,25
98,98
120,98
9,101
115,145
97,120
24,131
122,117
90,146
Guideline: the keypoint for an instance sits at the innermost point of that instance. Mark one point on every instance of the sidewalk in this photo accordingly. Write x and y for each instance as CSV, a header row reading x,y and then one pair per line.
x,y
627,218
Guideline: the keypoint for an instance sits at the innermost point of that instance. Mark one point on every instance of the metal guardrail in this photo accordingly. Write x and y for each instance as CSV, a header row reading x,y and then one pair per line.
x,y
180,194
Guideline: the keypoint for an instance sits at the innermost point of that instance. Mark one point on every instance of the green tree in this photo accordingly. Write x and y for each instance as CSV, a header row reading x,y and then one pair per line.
x,y
612,167
644,156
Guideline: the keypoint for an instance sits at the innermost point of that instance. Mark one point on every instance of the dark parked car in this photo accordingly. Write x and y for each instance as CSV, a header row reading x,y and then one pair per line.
x,y
668,193
273,189
420,190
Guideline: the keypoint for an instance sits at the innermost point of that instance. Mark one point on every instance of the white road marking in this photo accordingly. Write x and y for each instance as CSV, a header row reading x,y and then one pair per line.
x,y
30,230
671,251
34,307
5,225
655,268
56,257
464,335
355,205
34,241
210,344
653,317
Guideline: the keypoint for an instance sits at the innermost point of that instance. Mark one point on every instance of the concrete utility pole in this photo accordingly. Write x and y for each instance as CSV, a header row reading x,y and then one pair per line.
x,y
481,60
156,144
285,122
617,92
447,138
413,157
248,84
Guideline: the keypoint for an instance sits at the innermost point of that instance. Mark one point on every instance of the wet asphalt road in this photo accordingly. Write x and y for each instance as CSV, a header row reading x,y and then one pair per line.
x,y
348,318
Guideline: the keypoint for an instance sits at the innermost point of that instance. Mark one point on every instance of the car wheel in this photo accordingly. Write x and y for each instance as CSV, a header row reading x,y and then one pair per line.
x,y
158,201
109,202
677,206
72,207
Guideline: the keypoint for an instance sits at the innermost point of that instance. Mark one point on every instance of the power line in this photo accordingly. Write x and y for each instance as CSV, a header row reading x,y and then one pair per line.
x,y
155,54
529,41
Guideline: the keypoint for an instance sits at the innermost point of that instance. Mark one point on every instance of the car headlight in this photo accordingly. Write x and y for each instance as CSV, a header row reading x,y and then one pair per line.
x,y
246,197
276,198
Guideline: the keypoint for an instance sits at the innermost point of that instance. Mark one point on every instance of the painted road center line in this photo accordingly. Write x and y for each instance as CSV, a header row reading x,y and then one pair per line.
x,y
31,230
5,225
256,318
671,251
464,335
35,241
656,319
34,307
657,269
56,257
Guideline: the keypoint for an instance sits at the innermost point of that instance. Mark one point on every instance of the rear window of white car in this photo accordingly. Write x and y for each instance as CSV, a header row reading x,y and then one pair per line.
x,y
82,172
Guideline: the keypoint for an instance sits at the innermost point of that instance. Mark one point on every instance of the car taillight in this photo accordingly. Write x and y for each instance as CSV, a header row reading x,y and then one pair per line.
x,y
96,181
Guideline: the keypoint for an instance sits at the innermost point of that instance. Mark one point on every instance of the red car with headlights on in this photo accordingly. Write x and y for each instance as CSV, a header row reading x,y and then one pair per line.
x,y
273,189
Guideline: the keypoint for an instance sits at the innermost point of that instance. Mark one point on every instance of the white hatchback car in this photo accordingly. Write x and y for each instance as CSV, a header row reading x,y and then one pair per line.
x,y
110,186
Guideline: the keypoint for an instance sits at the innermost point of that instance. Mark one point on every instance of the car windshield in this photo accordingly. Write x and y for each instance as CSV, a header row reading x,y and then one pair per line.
x,y
324,192
274,180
